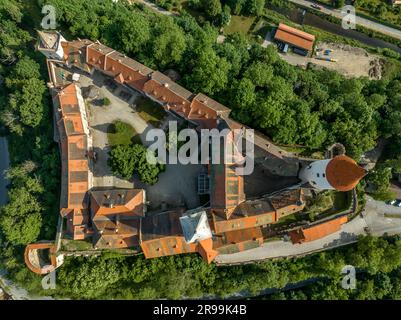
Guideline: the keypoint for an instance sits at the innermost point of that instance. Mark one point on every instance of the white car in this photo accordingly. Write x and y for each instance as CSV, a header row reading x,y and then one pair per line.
x,y
316,6
392,202
398,204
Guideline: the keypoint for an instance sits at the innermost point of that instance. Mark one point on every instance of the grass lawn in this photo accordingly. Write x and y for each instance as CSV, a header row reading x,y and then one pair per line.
x,y
121,133
239,24
342,200
150,111
75,245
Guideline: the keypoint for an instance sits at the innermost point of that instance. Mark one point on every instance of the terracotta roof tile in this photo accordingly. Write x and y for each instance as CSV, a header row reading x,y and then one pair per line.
x,y
110,202
317,231
295,37
343,173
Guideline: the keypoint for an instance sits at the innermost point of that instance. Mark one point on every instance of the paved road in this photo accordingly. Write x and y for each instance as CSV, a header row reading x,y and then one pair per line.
x,y
156,8
374,220
4,163
359,20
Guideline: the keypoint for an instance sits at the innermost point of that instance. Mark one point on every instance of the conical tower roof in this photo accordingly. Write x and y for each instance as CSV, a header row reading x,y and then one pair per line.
x,y
343,173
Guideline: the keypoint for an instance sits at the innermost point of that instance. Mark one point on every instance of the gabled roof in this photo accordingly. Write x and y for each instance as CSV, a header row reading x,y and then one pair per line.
x,y
173,86
162,225
238,240
162,235
73,149
317,231
287,198
248,214
162,88
295,37
116,231
211,104
118,201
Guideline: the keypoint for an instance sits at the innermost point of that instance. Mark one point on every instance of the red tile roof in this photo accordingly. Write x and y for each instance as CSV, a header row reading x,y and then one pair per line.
x,y
238,240
119,201
295,37
317,231
75,167
343,173
33,260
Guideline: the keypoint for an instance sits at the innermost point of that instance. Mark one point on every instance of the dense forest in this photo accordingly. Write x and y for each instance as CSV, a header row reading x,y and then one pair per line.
x,y
313,108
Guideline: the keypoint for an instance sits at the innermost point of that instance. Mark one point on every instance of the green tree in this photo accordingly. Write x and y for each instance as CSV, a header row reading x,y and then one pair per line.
x,y
126,160
260,73
210,75
211,7
254,7
20,220
243,95
168,43
134,33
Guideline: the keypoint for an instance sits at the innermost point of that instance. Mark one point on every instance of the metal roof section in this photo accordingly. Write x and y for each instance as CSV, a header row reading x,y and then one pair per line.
x,y
195,226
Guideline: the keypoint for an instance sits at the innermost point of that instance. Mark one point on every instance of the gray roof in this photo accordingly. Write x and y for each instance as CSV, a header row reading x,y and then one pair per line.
x,y
131,63
174,87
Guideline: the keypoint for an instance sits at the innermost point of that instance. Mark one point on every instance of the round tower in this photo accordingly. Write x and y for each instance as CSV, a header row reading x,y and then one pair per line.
x,y
340,173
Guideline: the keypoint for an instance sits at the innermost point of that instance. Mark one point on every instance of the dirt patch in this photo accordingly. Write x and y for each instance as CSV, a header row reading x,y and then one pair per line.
x,y
348,60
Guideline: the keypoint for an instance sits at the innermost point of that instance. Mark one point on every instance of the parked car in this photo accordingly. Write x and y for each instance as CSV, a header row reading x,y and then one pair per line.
x,y
392,202
316,6
398,203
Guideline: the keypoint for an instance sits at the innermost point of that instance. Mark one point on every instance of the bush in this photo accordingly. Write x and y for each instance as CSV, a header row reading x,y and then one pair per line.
x,y
127,160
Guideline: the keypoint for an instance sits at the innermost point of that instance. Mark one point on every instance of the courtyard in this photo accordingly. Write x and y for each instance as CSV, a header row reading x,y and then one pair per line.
x,y
142,114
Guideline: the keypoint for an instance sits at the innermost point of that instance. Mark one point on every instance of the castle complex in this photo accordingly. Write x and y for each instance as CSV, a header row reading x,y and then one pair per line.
x,y
116,218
